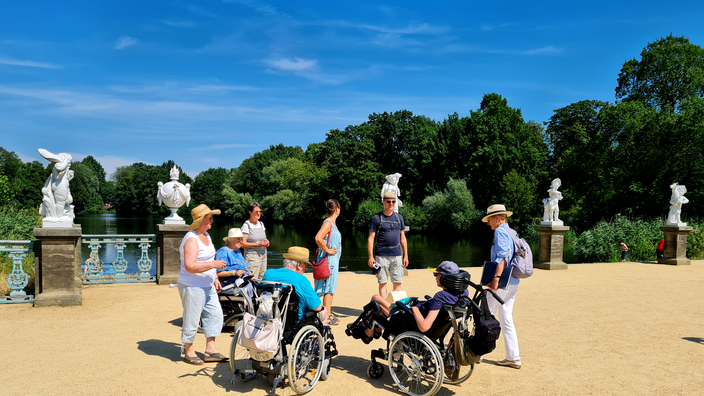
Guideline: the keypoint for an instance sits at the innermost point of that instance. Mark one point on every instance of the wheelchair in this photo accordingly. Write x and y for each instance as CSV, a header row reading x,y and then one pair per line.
x,y
420,362
306,347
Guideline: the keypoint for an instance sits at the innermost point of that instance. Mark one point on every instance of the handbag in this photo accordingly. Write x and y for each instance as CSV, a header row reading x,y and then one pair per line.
x,y
321,268
260,334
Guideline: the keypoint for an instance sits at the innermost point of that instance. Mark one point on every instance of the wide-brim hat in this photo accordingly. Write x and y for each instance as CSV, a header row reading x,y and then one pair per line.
x,y
446,268
233,233
298,253
198,213
494,210
389,195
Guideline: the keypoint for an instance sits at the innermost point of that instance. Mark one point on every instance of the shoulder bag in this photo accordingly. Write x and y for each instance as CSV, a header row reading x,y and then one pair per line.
x,y
321,268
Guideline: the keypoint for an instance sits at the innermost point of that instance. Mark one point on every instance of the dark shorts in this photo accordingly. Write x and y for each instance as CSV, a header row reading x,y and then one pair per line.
x,y
623,255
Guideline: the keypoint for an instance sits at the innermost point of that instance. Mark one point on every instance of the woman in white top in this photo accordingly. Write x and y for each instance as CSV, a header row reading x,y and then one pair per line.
x,y
198,287
255,242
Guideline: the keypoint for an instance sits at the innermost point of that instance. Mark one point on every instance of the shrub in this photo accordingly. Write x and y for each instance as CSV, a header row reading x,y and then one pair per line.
x,y
600,243
414,217
452,209
365,211
17,225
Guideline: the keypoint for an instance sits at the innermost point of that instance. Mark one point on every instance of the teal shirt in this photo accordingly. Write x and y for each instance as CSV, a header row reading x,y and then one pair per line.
x,y
308,299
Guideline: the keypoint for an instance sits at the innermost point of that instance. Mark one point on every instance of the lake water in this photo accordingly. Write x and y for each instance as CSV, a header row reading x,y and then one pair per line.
x,y
424,251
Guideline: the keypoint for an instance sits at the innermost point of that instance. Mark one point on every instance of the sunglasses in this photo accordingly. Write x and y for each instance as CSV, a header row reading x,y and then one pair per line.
x,y
390,201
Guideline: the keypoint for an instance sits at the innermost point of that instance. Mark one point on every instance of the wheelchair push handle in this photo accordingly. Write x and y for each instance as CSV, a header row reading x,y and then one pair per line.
x,y
495,296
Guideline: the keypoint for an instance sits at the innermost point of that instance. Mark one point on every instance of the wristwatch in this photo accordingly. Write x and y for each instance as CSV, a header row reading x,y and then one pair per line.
x,y
497,276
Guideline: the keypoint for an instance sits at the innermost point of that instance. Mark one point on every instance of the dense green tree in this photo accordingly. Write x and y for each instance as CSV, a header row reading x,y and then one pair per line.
x,y
136,192
519,197
85,189
452,210
236,203
207,188
670,71
249,176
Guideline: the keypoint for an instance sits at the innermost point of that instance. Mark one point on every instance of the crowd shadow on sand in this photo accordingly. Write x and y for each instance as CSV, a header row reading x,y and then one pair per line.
x,y
698,340
167,350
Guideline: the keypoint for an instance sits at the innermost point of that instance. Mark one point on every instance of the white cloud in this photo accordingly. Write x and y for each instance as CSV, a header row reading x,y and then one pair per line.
x,y
295,64
28,63
543,51
124,42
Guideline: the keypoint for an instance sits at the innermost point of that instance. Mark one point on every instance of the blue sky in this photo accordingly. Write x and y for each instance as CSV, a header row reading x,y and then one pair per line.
x,y
210,83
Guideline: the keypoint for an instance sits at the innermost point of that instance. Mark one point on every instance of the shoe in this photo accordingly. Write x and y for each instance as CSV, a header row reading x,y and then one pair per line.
x,y
509,363
215,357
193,360
333,320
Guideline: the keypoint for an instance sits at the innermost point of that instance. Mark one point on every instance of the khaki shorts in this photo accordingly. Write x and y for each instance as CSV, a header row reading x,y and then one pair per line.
x,y
391,264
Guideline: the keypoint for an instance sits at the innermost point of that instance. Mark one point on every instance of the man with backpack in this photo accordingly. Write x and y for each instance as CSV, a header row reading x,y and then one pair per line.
x,y
387,247
502,251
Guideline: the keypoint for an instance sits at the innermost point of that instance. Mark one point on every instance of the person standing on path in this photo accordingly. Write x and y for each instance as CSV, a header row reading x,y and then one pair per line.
x,y
660,250
624,251
501,253
387,246
326,288
255,242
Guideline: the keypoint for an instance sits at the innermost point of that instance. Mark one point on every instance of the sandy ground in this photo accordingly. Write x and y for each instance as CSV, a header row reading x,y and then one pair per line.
x,y
597,329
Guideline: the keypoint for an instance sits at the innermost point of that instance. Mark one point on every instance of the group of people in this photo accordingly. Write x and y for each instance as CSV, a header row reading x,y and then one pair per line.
x,y
202,266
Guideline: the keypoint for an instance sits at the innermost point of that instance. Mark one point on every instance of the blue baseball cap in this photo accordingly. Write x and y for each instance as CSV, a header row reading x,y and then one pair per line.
x,y
446,268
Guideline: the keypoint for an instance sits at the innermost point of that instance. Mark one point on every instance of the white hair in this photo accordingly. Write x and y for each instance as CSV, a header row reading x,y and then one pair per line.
x,y
290,263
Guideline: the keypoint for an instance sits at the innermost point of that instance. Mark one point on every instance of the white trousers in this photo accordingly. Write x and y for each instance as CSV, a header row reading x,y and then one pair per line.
x,y
506,319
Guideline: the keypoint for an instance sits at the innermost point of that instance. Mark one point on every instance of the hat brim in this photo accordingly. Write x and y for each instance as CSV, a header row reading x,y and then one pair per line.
x,y
296,258
227,239
486,218
196,222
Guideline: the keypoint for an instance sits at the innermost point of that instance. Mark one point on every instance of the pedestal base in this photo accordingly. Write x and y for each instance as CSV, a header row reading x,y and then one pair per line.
x,y
675,252
63,222
168,256
59,299
551,247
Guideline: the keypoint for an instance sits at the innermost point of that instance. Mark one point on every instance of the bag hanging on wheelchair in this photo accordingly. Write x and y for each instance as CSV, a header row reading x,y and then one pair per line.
x,y
260,334
486,330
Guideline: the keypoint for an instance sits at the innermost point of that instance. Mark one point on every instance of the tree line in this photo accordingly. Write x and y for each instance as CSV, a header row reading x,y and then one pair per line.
x,y
612,158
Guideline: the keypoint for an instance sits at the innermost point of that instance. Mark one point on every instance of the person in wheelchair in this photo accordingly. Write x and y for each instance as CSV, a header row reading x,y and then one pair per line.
x,y
424,313
295,264
236,265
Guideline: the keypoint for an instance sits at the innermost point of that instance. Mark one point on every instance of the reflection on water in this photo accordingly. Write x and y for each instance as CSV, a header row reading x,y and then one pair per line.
x,y
424,251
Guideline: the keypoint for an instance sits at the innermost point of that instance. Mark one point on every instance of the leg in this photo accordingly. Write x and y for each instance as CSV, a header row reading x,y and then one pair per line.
x,y
396,271
506,319
212,321
381,276
327,302
193,301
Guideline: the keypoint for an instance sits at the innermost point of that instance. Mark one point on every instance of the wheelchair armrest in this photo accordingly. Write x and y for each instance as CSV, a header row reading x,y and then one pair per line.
x,y
309,314
404,307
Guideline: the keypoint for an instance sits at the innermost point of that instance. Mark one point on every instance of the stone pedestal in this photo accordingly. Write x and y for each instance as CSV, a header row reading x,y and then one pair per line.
x,y
675,252
167,255
552,242
57,259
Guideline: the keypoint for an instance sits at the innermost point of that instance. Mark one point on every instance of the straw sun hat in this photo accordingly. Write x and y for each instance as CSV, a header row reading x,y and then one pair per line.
x,y
494,210
297,253
232,234
198,213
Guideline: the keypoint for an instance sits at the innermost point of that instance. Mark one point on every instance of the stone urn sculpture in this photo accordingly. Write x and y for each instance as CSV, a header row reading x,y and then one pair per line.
x,y
174,194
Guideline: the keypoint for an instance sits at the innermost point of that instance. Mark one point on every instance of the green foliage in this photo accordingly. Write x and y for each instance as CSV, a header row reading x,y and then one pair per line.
x,y
249,176
670,71
600,243
85,189
451,210
283,206
518,195
414,217
695,239
208,188
7,191
365,211
236,203
134,183
18,223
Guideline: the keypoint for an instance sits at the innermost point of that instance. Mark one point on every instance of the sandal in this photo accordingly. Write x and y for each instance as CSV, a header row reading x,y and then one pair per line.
x,y
333,320
193,360
215,357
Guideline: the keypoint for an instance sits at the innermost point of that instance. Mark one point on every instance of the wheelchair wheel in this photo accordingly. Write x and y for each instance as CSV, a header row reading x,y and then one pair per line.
x,y
305,362
240,363
465,372
375,370
415,364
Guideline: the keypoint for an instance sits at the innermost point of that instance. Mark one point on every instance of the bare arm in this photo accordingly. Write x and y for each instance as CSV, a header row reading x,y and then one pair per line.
x,y
324,230
249,245
404,247
370,249
424,323
190,254
494,284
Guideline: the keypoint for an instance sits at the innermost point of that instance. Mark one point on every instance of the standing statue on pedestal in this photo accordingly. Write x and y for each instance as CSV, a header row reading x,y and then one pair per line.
x,y
676,201
391,185
56,208
174,194
552,210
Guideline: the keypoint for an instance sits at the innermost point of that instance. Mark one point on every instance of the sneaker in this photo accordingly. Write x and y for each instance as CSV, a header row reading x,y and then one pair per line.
x,y
509,363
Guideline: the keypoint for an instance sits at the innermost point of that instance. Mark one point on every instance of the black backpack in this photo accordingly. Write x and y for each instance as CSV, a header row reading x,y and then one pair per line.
x,y
486,330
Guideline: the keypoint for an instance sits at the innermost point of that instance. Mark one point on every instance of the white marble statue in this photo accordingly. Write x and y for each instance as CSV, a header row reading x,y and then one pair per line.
x,y
551,214
676,201
392,186
174,194
56,208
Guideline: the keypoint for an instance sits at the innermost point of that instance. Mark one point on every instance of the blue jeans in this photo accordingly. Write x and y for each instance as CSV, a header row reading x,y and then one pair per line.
x,y
200,302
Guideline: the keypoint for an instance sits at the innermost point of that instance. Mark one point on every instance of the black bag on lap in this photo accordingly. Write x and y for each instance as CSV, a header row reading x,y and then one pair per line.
x,y
486,330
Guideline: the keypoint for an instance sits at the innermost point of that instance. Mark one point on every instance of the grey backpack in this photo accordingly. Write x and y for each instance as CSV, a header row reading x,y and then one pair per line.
x,y
522,260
